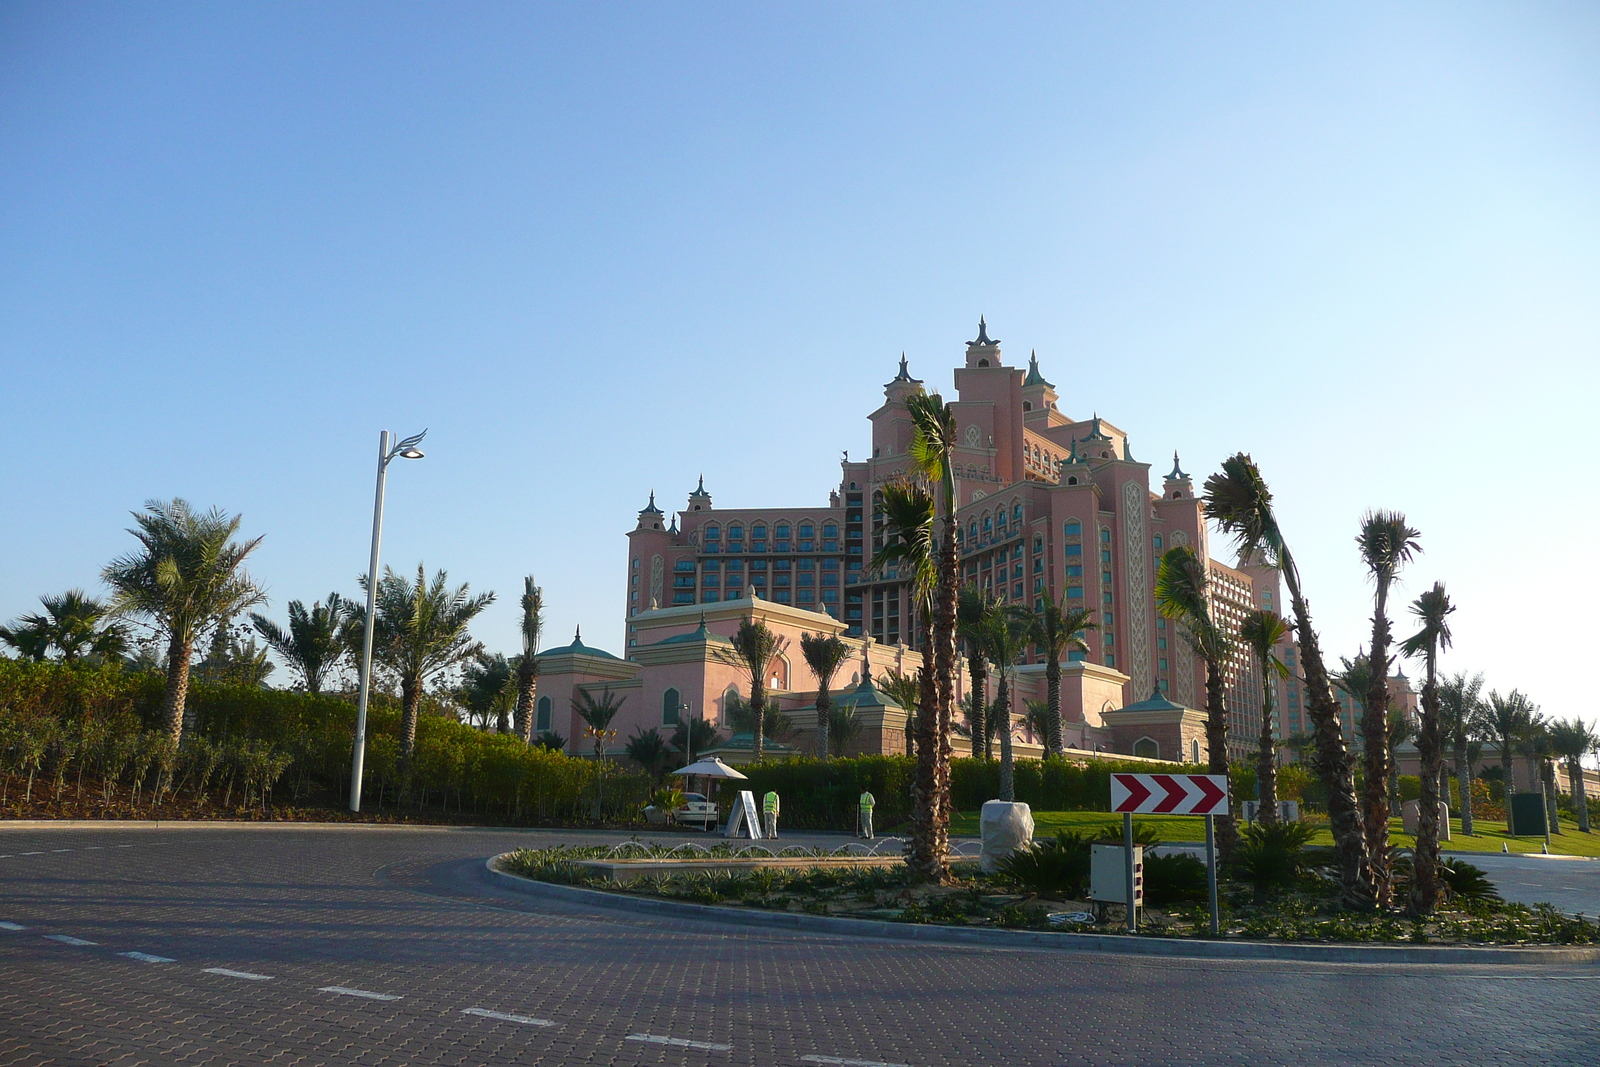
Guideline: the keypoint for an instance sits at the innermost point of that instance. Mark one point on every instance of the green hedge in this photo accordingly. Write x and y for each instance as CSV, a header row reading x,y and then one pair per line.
x,y
78,711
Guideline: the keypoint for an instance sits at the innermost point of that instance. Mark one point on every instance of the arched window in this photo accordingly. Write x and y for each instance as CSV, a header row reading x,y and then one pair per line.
x,y
1016,513
1000,519
974,529
1147,747
1073,480
782,530
758,532
988,523
830,530
1073,528
736,532
983,363
670,701
1194,750
713,533
543,721
807,530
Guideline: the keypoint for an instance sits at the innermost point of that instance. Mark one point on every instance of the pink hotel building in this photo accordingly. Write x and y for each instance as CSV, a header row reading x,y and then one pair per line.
x,y
1050,507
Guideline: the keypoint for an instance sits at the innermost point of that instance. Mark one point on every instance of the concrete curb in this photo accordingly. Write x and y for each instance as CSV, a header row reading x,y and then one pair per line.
x,y
1103,943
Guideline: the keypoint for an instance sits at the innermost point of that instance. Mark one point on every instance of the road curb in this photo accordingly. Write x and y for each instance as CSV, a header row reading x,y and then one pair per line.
x,y
1111,944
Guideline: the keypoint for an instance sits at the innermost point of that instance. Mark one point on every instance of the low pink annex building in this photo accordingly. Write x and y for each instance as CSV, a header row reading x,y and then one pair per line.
x,y
1050,507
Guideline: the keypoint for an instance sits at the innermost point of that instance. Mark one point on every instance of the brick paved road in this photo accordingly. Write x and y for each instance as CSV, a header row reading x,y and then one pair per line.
x,y
472,976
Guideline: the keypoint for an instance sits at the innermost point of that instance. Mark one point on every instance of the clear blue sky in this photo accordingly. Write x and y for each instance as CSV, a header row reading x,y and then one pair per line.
x,y
599,249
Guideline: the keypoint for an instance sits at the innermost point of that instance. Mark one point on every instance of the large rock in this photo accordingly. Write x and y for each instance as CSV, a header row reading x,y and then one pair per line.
x,y
1005,827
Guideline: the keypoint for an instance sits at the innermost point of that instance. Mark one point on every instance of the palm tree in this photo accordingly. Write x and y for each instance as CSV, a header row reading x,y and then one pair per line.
x,y
489,688
1387,543
1460,708
695,735
909,512
1508,720
532,628
1574,739
905,690
973,607
597,715
1183,594
1006,636
1054,630
419,630
1238,501
1432,610
754,647
1263,631
314,644
187,576
824,654
650,750
75,624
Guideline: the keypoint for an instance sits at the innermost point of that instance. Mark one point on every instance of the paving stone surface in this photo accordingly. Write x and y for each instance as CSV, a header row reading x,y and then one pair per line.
x,y
405,914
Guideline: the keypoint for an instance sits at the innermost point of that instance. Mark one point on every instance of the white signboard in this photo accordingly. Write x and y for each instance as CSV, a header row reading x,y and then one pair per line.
x,y
744,814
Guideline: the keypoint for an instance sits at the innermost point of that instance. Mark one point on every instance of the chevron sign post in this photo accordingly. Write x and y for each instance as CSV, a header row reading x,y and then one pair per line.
x,y
1171,794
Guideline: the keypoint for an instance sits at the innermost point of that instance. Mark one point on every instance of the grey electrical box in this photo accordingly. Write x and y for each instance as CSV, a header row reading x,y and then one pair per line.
x,y
1108,874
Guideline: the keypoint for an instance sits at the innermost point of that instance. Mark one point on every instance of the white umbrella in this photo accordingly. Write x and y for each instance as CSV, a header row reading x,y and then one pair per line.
x,y
710,768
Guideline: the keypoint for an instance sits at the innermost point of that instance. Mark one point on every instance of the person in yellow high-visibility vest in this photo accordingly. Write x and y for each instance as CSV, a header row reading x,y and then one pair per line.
x,y
769,813
864,828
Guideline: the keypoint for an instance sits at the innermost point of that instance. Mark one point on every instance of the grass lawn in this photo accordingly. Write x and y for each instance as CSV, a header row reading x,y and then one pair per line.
x,y
1489,835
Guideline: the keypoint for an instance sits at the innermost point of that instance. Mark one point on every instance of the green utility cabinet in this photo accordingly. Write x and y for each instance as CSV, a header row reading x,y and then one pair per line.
x,y
1527,815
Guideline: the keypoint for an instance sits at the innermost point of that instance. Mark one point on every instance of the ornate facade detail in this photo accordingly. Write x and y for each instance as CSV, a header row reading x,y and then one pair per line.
x,y
1137,608
658,578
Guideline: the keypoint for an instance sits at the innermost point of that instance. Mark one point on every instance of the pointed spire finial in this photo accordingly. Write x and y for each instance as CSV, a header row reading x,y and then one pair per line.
x,y
700,486
983,334
1177,471
577,634
1034,377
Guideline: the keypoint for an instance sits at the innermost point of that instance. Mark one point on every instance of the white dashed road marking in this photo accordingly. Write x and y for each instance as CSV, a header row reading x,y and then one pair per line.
x,y
145,957
238,974
679,1042
30,853
66,939
348,992
12,926
842,1062
61,850
526,1020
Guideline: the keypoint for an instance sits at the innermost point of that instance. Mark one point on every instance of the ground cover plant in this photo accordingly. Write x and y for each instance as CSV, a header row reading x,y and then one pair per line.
x,y
1289,893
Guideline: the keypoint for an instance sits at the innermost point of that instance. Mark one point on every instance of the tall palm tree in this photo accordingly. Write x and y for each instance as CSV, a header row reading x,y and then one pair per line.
x,y
1574,739
973,607
1460,708
909,512
824,654
1508,720
1263,631
1432,609
650,751
754,647
1387,543
75,624
419,630
187,576
1006,636
531,629
1183,594
933,443
1238,501
314,644
1055,629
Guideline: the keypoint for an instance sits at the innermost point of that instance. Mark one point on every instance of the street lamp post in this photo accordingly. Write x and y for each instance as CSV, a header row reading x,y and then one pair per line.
x,y
406,449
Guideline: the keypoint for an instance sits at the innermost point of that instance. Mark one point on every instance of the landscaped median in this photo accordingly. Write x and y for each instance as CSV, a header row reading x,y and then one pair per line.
x,y
876,895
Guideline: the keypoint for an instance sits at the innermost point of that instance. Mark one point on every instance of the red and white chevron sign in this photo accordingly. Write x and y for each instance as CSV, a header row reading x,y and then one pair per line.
x,y
1170,794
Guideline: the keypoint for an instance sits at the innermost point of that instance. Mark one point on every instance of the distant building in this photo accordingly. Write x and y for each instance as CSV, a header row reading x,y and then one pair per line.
x,y
1050,507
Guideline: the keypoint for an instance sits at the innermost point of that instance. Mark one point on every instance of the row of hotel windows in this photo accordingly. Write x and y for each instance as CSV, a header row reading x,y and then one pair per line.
x,y
711,537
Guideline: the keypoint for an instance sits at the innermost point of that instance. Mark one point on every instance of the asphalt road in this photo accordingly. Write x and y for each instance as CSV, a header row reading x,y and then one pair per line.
x,y
289,946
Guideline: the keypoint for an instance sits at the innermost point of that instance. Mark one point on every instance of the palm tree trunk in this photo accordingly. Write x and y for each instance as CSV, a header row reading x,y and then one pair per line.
x,y
527,679
1375,743
758,714
1580,793
1002,710
1464,783
824,710
925,860
175,699
1430,752
1266,759
1054,745
1333,758
1217,750
978,698
931,797
1508,784
410,705
1547,776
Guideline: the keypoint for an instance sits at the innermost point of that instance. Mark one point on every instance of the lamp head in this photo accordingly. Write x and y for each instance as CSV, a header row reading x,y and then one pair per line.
x,y
412,453
407,449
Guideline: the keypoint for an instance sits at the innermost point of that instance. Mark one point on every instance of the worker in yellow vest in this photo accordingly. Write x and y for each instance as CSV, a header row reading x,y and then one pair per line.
x,y
864,827
769,813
